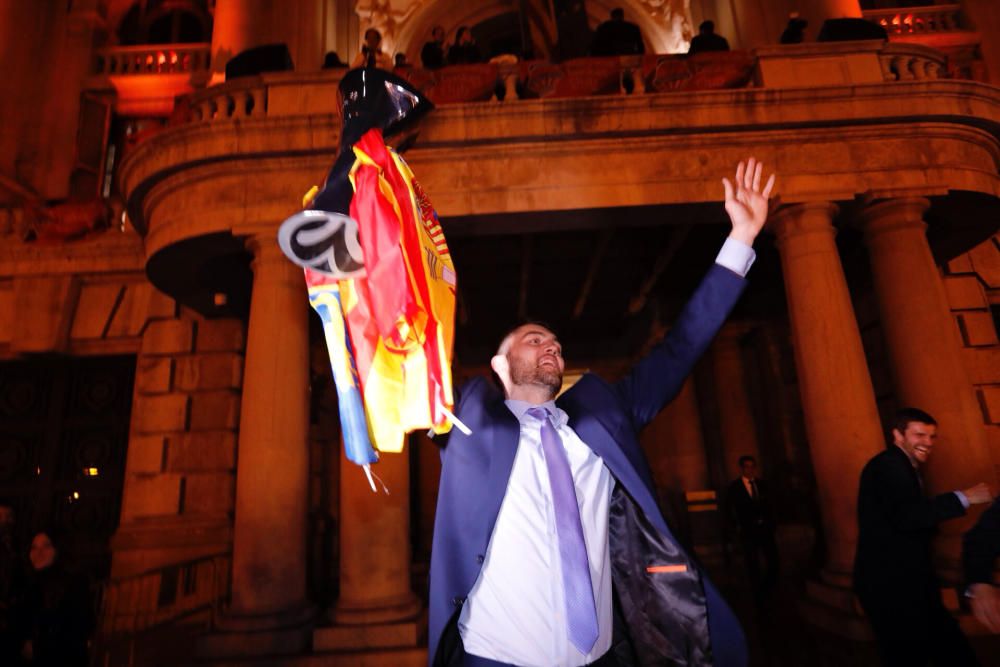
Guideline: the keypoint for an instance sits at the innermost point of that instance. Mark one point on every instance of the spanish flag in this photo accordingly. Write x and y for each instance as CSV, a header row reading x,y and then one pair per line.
x,y
400,314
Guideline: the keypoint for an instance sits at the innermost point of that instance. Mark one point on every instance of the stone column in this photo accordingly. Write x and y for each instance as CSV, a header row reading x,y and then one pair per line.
x,y
985,16
269,536
736,420
236,26
925,351
817,11
377,608
838,402
675,445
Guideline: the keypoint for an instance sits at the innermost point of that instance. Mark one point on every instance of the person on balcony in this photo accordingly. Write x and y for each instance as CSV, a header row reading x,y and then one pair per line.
x,y
617,37
464,51
371,52
795,31
707,40
432,54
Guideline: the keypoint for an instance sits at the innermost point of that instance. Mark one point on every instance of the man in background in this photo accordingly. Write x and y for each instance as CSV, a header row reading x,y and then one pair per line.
x,y
894,575
748,505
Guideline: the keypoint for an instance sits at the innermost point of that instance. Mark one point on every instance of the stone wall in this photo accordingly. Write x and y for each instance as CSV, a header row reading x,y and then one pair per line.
x,y
180,474
972,283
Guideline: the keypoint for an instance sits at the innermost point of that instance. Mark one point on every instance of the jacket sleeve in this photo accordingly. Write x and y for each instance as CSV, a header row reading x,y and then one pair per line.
x,y
906,508
981,546
658,377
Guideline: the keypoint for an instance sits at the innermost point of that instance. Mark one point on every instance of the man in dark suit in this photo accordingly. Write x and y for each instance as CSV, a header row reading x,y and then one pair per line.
x,y
707,40
549,548
617,37
980,550
894,575
749,508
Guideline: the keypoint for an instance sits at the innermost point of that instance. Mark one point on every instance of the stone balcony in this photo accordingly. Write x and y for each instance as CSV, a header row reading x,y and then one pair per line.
x,y
147,79
838,121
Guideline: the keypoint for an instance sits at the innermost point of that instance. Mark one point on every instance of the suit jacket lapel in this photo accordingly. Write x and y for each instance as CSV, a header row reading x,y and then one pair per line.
x,y
503,447
593,433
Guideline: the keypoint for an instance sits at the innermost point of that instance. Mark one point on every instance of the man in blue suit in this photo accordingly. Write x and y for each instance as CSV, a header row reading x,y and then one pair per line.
x,y
549,549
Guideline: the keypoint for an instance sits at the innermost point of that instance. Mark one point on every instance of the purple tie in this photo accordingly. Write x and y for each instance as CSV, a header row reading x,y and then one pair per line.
x,y
581,615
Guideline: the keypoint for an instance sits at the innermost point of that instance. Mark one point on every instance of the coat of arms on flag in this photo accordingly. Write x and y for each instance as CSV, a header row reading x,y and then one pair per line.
x,y
379,275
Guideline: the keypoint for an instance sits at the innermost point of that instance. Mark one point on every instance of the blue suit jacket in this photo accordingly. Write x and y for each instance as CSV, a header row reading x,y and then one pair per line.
x,y
678,617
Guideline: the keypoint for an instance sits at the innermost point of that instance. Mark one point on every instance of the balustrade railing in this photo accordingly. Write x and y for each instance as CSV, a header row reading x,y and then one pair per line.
x,y
152,59
154,599
163,595
506,81
912,62
917,20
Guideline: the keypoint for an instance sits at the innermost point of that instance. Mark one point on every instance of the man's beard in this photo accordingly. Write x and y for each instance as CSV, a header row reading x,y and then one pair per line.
x,y
522,373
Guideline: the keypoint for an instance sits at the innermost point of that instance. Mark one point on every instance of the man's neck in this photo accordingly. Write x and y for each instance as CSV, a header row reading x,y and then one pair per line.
x,y
531,394
914,463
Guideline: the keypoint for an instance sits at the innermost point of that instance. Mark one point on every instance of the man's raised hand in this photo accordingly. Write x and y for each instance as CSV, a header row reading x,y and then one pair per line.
x,y
746,202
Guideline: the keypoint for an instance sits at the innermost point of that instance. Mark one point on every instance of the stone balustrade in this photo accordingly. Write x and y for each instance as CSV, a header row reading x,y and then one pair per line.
x,y
244,98
917,20
269,93
152,59
912,62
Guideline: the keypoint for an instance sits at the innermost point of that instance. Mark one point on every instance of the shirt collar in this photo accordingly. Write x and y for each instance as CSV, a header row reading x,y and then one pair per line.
x,y
519,408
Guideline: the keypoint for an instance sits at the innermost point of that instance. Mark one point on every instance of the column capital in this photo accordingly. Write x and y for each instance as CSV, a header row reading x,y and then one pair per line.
x,y
805,218
270,260
894,214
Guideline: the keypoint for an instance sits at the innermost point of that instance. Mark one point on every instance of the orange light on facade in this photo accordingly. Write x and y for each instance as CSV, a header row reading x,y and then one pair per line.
x,y
161,58
91,472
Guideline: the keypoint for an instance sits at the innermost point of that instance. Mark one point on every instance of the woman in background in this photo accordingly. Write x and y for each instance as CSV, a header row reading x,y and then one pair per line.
x,y
57,615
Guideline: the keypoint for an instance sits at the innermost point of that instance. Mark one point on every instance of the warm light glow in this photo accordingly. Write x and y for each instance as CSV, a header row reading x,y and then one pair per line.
x,y
76,495
90,472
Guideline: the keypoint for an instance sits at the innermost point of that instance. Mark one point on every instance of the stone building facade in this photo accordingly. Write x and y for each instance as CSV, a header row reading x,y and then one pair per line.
x,y
140,193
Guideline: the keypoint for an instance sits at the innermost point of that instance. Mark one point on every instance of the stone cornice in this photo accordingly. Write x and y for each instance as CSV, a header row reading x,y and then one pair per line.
x,y
111,252
926,136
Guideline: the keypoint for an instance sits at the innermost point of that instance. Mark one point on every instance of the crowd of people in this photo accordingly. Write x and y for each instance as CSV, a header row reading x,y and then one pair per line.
x,y
46,611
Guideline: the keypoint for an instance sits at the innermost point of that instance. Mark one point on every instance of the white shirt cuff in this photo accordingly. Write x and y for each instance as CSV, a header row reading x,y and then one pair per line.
x,y
736,256
962,499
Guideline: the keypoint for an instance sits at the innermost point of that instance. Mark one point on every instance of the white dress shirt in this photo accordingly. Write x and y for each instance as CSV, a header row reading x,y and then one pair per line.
x,y
515,612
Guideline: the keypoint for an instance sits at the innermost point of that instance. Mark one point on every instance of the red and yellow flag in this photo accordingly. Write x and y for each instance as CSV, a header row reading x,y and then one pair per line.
x,y
400,315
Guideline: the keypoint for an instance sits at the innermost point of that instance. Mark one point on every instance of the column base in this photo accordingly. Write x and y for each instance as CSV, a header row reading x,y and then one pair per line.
x,y
375,612
834,609
282,633
837,611
377,636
